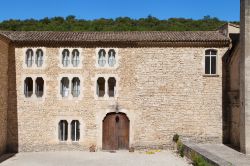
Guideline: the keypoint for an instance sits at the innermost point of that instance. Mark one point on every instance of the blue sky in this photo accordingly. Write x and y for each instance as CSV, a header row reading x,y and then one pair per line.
x,y
91,9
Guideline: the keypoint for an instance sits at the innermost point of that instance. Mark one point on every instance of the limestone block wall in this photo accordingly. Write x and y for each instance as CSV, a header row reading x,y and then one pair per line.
x,y
163,91
232,100
3,95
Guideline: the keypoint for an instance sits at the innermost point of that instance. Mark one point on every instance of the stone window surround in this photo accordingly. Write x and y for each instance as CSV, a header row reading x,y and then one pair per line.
x,y
70,66
203,62
106,57
69,119
106,77
70,77
34,66
33,97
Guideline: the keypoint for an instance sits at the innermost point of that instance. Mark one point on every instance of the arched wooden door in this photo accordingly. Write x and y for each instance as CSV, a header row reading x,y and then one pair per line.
x,y
115,132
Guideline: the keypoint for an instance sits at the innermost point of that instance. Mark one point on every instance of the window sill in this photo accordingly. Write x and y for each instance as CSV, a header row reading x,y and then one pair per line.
x,y
105,98
63,142
75,142
211,75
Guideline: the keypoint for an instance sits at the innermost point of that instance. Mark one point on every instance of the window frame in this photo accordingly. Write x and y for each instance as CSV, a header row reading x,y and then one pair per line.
x,y
78,87
107,58
71,60
70,96
29,58
34,96
64,130
27,92
210,55
65,58
37,92
39,63
106,93
76,131
34,64
63,91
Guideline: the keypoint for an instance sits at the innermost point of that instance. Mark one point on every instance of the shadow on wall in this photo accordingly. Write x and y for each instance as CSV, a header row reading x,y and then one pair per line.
x,y
6,157
12,117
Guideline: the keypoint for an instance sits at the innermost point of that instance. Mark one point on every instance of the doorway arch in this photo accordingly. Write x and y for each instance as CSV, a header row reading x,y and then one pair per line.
x,y
115,133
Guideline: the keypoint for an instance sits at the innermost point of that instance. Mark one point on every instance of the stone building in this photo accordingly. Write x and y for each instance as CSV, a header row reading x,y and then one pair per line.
x,y
113,90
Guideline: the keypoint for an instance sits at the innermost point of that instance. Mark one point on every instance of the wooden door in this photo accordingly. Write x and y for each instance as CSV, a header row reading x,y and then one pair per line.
x,y
115,132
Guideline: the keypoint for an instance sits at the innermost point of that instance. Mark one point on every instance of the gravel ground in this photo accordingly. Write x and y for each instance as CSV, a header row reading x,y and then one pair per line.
x,y
120,158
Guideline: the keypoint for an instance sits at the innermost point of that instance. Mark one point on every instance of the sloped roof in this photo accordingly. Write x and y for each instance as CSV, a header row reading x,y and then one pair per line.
x,y
29,37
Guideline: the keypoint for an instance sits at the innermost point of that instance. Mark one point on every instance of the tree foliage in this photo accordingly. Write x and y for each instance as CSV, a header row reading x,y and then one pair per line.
x,y
71,23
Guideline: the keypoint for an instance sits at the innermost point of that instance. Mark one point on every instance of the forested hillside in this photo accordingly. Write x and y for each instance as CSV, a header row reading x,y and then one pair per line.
x,y
150,23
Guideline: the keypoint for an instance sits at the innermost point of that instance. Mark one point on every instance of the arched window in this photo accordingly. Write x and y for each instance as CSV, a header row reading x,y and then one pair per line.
x,y
210,61
39,87
111,59
65,57
100,89
65,87
111,86
28,87
75,87
63,130
102,58
39,58
75,130
29,57
75,58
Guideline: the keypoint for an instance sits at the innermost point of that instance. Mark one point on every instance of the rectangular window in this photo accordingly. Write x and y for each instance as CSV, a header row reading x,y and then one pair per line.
x,y
39,87
210,62
213,64
28,87
207,65
75,130
63,130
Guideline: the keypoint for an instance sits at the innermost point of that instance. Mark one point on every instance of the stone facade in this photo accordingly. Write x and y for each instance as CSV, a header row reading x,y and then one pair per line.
x,y
245,77
4,49
162,90
231,98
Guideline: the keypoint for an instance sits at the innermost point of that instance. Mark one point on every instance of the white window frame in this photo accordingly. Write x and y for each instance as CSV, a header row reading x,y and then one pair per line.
x,y
34,59
33,96
69,119
107,65
70,95
75,131
106,95
76,87
70,65
65,91
63,139
216,63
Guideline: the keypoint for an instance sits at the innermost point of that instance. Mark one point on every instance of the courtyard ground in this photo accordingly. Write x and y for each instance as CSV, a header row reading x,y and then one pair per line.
x,y
121,158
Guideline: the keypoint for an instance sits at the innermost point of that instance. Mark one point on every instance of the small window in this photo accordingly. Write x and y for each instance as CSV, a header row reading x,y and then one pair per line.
x,y
65,87
75,87
29,57
63,130
75,130
101,58
111,86
111,59
75,58
39,58
100,87
39,87
210,62
28,87
65,58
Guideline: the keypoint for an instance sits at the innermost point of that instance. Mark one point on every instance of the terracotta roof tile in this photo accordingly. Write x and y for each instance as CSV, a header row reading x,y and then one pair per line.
x,y
117,37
